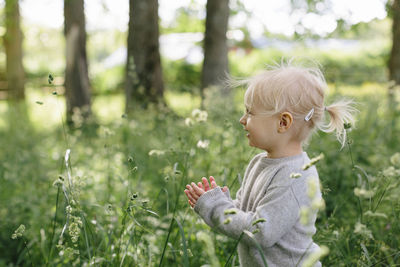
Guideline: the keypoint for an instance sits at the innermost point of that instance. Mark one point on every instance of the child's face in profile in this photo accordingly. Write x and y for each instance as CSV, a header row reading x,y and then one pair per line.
x,y
262,129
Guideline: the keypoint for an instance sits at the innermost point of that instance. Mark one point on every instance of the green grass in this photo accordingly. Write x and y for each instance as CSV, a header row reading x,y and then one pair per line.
x,y
125,205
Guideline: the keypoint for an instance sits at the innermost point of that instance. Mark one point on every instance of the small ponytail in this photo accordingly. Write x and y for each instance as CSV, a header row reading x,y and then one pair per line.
x,y
340,112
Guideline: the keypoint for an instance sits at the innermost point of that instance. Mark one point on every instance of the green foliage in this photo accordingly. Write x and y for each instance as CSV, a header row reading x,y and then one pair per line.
x,y
340,67
187,19
109,81
121,195
376,29
181,76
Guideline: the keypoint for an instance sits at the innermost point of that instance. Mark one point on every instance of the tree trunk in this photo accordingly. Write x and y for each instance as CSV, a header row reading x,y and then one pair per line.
x,y
394,61
13,47
144,82
394,70
215,65
77,87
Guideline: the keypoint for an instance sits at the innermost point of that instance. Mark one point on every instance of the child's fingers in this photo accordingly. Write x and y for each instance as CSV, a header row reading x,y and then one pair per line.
x,y
213,183
224,189
197,190
190,197
195,194
191,192
205,183
200,185
191,204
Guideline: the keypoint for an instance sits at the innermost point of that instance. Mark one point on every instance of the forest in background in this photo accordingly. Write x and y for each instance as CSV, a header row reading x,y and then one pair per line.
x,y
100,131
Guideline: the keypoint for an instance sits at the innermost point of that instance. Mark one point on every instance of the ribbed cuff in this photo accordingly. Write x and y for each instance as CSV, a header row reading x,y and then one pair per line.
x,y
207,198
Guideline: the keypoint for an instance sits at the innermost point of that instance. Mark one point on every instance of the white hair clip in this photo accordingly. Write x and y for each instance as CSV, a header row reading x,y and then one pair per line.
x,y
309,115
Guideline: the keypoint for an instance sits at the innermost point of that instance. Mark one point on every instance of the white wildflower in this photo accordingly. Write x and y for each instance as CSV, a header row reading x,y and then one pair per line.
x,y
199,115
188,122
361,192
68,209
156,152
203,144
395,159
363,230
391,172
336,233
196,112
203,116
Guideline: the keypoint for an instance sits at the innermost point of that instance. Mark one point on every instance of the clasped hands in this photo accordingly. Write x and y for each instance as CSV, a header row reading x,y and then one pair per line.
x,y
194,192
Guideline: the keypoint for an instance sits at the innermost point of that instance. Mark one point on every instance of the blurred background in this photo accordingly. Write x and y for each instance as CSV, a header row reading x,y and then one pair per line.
x,y
108,108
352,41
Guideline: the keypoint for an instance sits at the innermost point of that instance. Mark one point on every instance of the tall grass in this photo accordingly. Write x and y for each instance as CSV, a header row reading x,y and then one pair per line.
x,y
118,198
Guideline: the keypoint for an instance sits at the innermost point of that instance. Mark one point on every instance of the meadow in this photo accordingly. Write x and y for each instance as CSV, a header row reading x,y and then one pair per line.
x,y
111,193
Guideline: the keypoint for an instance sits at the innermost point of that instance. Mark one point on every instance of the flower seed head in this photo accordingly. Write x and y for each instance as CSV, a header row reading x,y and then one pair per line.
x,y
228,220
19,232
295,175
230,211
260,220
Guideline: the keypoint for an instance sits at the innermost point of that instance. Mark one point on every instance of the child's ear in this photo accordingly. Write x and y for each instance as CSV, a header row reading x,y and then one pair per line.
x,y
285,121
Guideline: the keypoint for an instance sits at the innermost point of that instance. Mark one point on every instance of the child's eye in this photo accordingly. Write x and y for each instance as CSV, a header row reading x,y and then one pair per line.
x,y
247,113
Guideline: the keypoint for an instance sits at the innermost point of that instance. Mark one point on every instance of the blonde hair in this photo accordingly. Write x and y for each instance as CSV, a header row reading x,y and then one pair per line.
x,y
298,89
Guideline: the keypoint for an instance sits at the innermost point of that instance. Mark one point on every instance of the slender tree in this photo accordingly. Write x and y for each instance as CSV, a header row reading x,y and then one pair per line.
x,y
394,61
77,87
13,47
215,65
394,68
144,82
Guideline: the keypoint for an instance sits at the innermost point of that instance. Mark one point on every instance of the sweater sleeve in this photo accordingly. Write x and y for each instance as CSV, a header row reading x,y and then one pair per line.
x,y
279,208
236,202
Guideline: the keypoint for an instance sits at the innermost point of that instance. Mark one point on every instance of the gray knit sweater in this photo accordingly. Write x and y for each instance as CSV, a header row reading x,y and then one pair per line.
x,y
268,192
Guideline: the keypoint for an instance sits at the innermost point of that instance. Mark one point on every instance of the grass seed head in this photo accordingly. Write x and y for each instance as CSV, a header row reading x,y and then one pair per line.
x,y
230,211
313,161
395,160
260,220
361,192
227,220
19,232
295,175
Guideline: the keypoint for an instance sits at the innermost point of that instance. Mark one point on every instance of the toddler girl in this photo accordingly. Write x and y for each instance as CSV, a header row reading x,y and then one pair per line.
x,y
284,105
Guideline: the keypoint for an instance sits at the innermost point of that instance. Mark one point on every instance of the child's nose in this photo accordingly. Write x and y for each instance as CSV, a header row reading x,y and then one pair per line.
x,y
243,120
